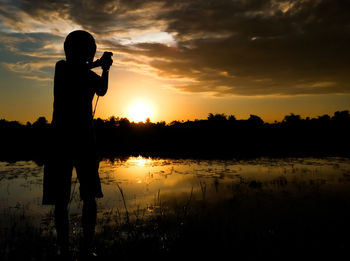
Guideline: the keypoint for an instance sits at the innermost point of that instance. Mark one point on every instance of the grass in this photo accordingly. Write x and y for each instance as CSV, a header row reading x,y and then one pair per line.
x,y
252,222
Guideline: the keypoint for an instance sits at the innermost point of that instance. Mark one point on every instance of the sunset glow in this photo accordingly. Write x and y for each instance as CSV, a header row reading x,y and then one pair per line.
x,y
140,111
174,129
245,59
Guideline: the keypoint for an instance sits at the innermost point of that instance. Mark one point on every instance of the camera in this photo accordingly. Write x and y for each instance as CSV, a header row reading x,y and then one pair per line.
x,y
105,61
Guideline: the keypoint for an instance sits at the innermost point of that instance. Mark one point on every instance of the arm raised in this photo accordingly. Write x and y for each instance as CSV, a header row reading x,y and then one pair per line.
x,y
105,62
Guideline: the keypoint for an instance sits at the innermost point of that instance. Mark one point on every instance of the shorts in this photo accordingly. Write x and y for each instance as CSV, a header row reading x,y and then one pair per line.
x,y
58,178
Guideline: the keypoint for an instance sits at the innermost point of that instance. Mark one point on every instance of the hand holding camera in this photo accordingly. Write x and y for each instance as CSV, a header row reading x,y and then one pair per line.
x,y
106,60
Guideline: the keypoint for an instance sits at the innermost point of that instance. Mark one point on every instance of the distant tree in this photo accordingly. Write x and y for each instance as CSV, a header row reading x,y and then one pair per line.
x,y
322,135
161,123
175,123
231,118
99,122
341,116
112,121
124,122
255,120
10,124
292,118
41,122
324,117
217,117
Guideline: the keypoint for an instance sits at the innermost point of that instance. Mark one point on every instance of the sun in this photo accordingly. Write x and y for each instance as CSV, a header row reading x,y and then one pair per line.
x,y
140,111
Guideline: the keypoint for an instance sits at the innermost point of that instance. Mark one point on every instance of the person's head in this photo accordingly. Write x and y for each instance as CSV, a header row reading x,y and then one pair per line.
x,y
80,47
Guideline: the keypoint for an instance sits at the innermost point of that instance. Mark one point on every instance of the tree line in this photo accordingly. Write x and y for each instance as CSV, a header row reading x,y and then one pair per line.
x,y
218,136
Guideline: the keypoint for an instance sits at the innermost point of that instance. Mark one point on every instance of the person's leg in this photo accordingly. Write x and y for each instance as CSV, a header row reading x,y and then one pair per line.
x,y
62,227
89,222
90,188
63,187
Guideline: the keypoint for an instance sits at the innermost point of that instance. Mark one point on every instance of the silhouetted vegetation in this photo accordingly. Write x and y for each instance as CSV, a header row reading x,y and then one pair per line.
x,y
254,223
217,136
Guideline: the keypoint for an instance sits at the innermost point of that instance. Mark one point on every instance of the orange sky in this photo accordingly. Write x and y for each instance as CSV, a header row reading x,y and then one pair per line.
x,y
268,58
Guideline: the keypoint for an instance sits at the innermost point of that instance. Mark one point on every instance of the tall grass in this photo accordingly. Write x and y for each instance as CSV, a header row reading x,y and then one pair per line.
x,y
253,222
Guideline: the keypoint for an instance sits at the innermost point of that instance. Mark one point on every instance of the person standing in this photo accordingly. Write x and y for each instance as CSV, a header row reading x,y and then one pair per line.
x,y
73,142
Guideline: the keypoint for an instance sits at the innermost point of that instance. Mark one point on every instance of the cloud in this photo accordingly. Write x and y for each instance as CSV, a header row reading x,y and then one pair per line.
x,y
34,70
221,47
267,47
103,17
31,55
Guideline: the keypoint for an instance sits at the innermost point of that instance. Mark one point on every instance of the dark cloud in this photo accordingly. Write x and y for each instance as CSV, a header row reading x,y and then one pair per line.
x,y
241,47
97,16
31,55
268,47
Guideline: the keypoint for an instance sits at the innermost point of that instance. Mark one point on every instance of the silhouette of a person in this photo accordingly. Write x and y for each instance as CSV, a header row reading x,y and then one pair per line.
x,y
73,140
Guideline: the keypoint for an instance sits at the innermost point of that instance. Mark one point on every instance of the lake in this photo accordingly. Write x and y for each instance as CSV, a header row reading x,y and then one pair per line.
x,y
143,180
141,186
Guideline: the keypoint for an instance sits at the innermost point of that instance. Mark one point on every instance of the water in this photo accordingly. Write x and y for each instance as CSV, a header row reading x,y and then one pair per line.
x,y
145,182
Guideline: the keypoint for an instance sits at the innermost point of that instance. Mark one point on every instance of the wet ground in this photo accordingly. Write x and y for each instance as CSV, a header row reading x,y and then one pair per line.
x,y
253,208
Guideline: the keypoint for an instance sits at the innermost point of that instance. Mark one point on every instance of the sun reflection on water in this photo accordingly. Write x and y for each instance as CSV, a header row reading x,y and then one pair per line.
x,y
139,161
145,179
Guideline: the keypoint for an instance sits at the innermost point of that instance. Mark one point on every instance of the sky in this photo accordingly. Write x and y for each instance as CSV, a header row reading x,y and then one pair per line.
x,y
184,58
